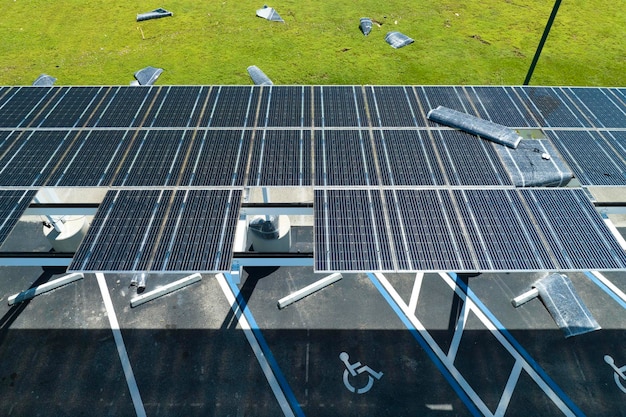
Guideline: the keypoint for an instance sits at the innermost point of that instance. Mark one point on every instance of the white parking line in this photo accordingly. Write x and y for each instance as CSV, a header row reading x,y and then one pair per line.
x,y
121,348
256,348
415,294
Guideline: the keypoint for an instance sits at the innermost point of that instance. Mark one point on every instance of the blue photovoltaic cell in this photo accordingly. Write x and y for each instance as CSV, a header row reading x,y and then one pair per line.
x,y
180,107
281,158
13,203
92,159
23,104
338,106
484,166
420,230
73,108
122,231
577,233
590,156
199,232
217,158
344,157
161,230
394,107
554,107
349,231
496,231
500,105
233,106
154,159
289,107
124,107
407,157
32,158
607,108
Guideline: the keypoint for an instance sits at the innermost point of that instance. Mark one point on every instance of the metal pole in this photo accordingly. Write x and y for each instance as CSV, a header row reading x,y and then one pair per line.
x,y
546,31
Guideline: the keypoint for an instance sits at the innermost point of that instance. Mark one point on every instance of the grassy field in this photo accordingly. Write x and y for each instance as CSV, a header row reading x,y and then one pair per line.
x,y
87,42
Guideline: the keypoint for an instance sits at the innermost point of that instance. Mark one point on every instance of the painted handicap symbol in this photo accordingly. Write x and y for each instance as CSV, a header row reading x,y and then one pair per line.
x,y
619,373
355,369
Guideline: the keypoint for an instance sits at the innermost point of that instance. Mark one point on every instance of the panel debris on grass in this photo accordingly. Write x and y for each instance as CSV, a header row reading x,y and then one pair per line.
x,y
398,40
154,14
270,14
366,25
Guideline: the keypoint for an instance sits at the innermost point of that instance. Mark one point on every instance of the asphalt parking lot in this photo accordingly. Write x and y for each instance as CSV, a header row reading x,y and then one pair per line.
x,y
369,344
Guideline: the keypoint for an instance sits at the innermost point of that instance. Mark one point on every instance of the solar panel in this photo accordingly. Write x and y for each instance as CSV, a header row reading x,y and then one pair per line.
x,y
590,156
553,107
464,230
450,97
217,158
92,159
289,107
344,157
233,106
602,105
30,159
342,107
73,107
394,107
180,107
22,105
154,159
13,203
125,107
501,105
281,158
484,166
161,230
407,157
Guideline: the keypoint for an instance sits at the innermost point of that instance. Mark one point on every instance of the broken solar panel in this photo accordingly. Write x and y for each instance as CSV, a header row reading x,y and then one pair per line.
x,y
464,230
13,203
161,230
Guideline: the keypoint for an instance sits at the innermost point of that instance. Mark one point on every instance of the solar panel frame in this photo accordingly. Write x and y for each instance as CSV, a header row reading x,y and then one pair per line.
x,y
290,106
342,106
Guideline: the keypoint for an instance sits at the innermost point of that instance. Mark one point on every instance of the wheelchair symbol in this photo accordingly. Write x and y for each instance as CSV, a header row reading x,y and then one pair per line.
x,y
356,369
619,373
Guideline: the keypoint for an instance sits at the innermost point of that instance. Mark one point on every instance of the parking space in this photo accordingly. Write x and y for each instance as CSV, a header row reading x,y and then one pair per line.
x,y
379,344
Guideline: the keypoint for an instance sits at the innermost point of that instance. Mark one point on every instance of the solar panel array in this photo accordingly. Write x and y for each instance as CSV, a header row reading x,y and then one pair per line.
x,y
370,148
464,230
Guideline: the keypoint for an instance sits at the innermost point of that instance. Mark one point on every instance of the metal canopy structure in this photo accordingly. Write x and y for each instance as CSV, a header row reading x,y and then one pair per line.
x,y
393,190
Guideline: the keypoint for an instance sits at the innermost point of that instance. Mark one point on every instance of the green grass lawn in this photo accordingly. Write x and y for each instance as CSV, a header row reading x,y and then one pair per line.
x,y
87,42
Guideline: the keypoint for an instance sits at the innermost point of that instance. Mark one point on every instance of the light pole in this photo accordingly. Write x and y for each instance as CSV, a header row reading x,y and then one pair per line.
x,y
546,31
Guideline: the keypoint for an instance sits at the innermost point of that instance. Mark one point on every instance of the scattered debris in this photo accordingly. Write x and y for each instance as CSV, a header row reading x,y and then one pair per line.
x,y
479,39
44,80
258,76
344,50
398,40
155,14
377,23
486,129
366,25
269,14
147,75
